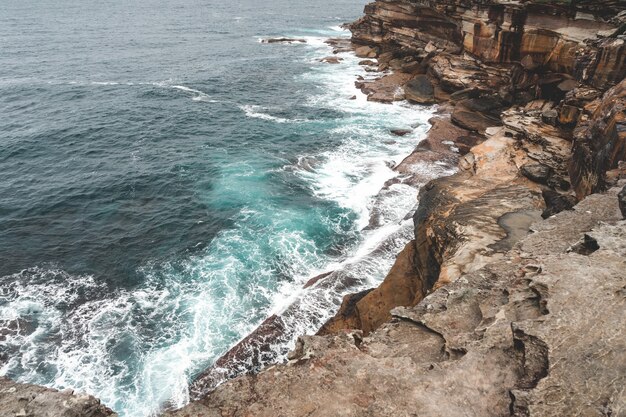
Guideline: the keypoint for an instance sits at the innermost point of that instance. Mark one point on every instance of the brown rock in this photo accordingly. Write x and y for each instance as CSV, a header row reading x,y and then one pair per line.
x,y
385,89
400,132
365,52
420,90
600,143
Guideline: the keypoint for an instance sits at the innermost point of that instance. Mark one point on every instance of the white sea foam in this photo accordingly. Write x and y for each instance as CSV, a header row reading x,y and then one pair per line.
x,y
257,112
198,95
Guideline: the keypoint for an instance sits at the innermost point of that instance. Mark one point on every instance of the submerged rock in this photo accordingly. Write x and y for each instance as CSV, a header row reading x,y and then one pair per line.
x,y
283,40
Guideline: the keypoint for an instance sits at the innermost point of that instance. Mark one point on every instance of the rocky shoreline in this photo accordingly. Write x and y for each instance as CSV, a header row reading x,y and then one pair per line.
x,y
509,299
473,316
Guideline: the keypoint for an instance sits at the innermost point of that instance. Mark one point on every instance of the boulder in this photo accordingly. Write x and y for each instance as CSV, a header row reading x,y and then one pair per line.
x,y
539,173
365,52
420,90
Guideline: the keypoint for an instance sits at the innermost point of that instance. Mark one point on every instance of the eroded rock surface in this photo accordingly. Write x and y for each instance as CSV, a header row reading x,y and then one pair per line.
x,y
26,400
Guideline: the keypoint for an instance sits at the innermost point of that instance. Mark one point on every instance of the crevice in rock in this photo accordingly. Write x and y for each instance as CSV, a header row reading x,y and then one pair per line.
x,y
532,353
586,246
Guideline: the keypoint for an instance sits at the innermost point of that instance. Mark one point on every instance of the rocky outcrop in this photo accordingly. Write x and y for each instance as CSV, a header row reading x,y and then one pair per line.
x,y
26,400
599,142
539,35
530,78
511,338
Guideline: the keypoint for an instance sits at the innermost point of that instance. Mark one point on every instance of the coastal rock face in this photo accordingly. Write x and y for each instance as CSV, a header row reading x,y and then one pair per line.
x,y
511,338
26,400
599,142
539,35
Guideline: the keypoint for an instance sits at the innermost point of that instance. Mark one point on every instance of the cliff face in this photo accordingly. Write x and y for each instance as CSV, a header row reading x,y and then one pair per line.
x,y
541,82
490,310
539,35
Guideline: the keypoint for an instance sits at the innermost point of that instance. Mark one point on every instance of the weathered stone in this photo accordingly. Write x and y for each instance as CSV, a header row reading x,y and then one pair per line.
x,y
401,132
420,90
599,143
537,172
283,40
26,400
365,52
331,60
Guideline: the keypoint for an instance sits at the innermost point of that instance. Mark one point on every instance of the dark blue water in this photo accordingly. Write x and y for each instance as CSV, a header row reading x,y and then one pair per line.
x,y
168,181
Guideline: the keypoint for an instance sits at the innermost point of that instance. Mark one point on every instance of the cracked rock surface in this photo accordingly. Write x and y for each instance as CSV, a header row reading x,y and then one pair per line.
x,y
537,332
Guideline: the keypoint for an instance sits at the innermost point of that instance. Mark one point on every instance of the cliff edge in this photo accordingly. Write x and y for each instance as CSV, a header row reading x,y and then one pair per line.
x,y
509,300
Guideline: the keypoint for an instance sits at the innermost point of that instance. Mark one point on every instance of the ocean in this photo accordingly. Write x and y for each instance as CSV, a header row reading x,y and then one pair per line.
x,y
169,181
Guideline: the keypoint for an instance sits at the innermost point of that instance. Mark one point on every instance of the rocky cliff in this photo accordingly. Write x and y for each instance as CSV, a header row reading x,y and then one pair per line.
x,y
509,299
542,84
490,310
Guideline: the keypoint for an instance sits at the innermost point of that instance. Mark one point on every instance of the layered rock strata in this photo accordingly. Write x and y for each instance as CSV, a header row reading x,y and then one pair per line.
x,y
552,125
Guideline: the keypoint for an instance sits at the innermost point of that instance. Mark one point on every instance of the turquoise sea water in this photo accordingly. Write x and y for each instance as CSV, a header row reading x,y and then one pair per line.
x,y
169,181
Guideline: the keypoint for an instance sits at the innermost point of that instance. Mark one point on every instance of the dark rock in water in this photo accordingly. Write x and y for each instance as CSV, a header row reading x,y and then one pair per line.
x,y
353,98
622,201
539,173
283,40
556,202
249,353
26,400
367,62
420,90
316,279
401,132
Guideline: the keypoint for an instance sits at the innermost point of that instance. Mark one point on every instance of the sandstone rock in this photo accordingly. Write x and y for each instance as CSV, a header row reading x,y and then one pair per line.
x,y
365,52
367,62
401,287
420,90
600,143
26,400
385,89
